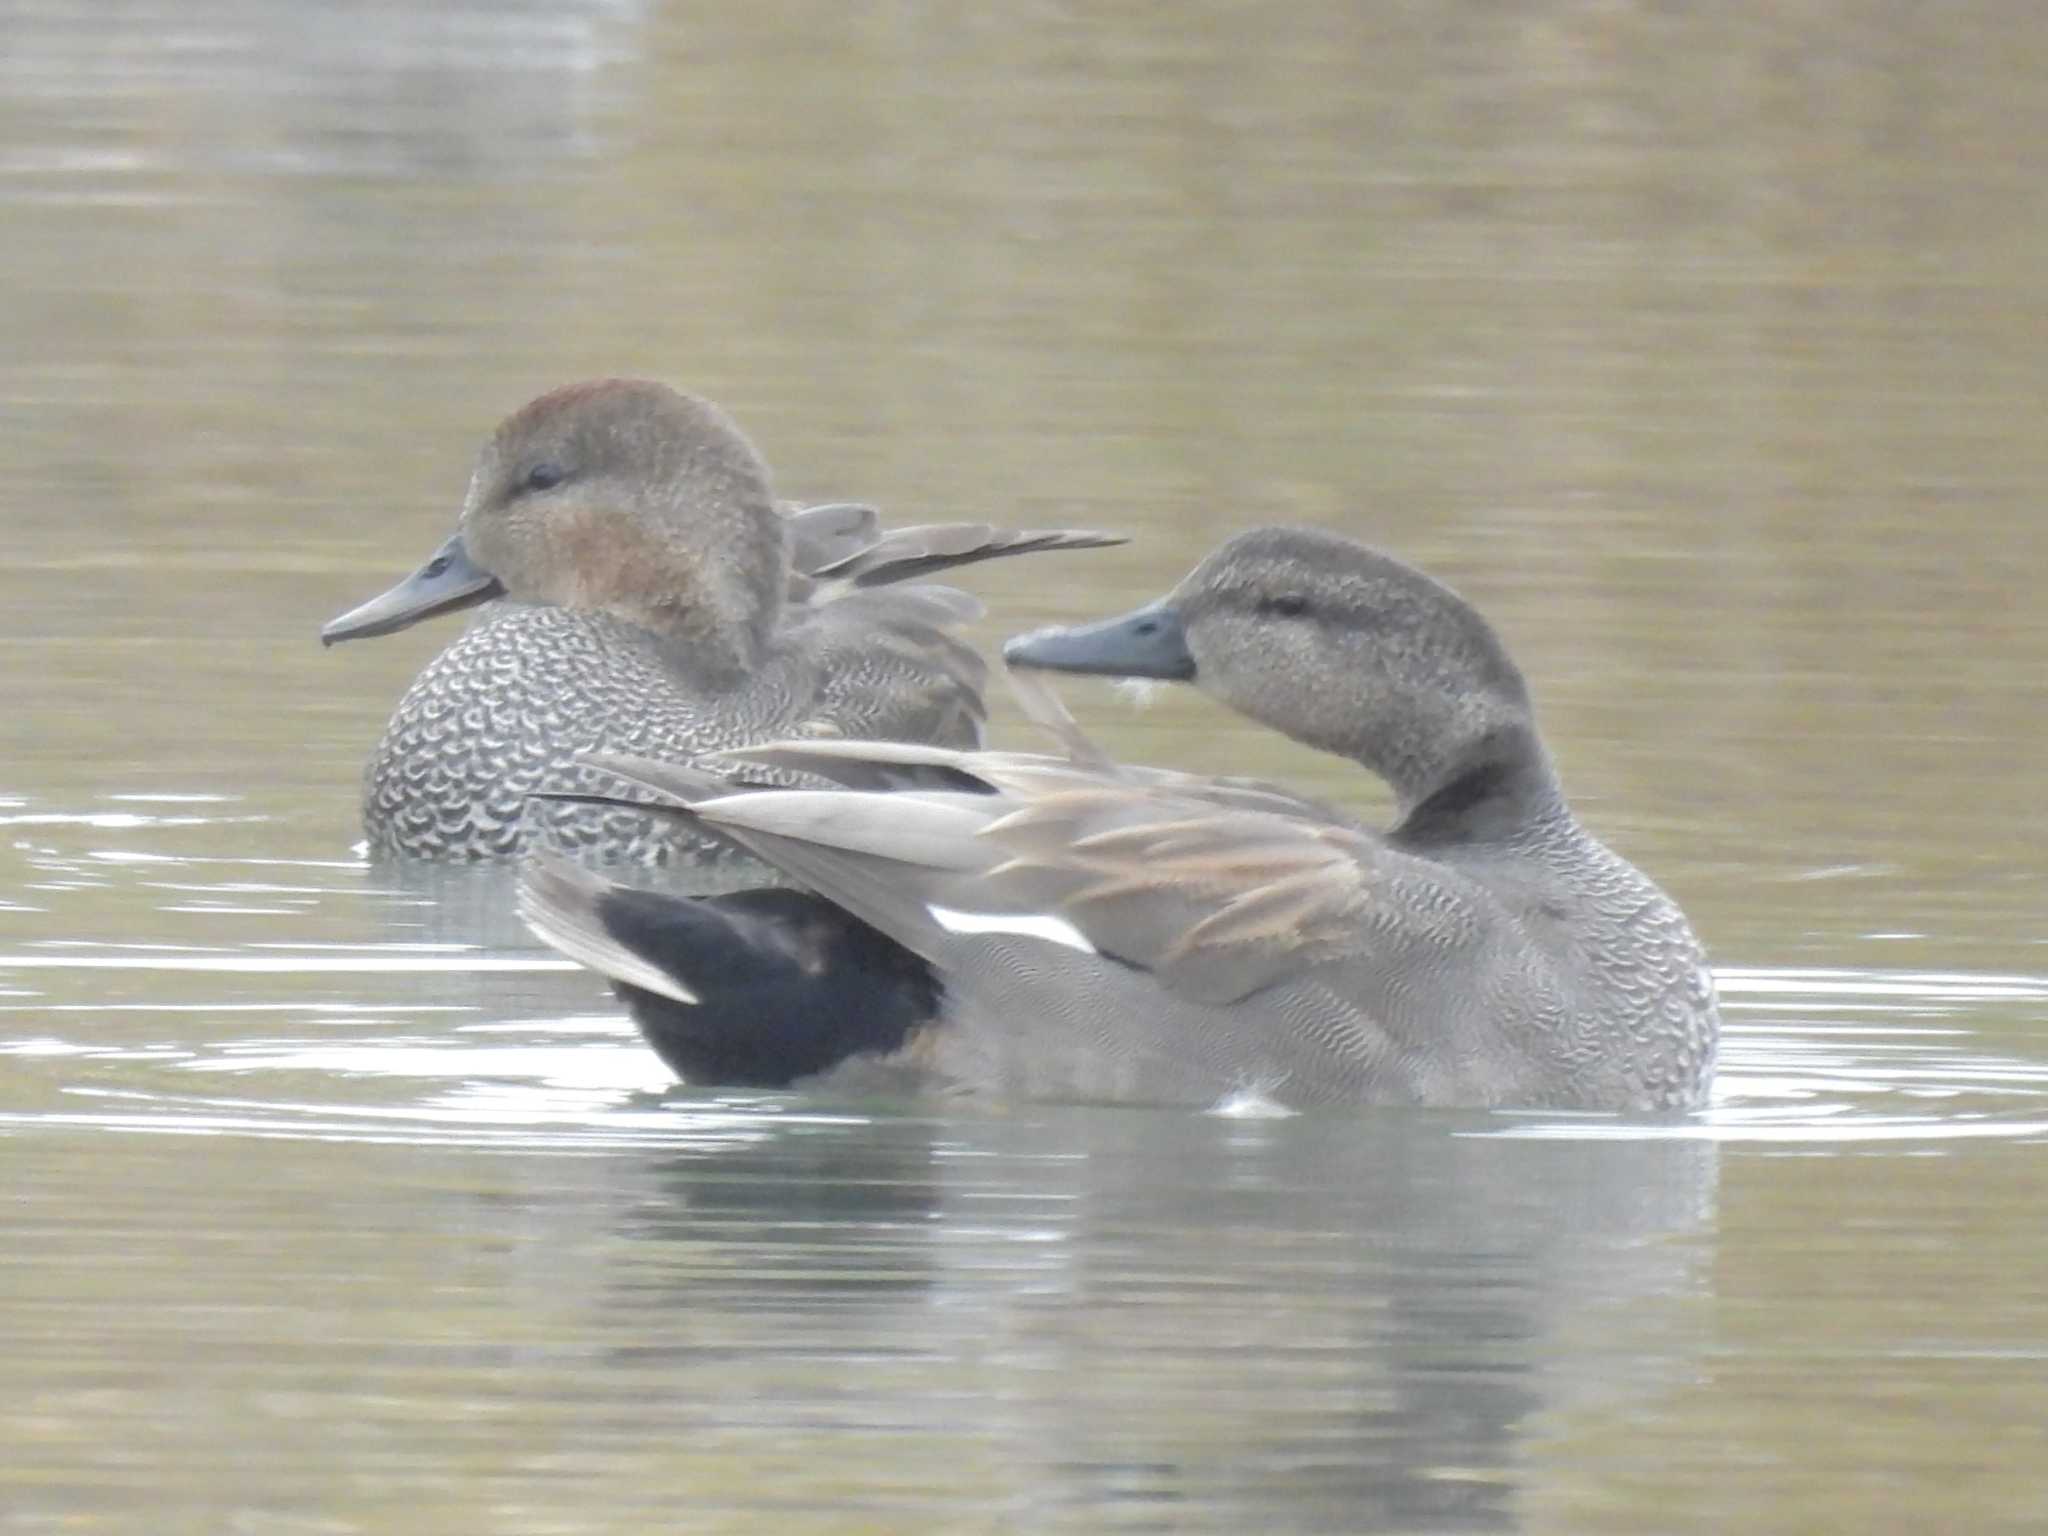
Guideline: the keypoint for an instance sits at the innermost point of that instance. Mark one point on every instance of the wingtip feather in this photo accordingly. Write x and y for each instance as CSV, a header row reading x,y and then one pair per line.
x,y
560,903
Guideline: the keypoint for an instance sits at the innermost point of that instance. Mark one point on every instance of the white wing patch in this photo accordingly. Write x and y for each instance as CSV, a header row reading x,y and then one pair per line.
x,y
1030,925
1252,1102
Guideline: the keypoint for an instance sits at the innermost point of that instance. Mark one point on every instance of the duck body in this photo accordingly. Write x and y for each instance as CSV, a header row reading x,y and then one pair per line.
x,y
642,592
517,702
1519,965
1093,931
1492,1002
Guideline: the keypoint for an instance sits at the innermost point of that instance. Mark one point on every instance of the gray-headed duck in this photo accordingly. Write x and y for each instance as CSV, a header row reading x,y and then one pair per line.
x,y
1057,926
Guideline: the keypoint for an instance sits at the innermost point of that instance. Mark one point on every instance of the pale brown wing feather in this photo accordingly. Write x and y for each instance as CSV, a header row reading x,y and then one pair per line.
x,y
1217,905
1217,889
1217,901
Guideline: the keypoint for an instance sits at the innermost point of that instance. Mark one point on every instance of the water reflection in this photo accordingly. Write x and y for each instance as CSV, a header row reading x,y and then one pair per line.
x,y
1142,1309
1429,1275
480,88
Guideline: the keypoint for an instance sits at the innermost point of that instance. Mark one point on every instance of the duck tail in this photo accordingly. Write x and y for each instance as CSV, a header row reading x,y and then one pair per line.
x,y
754,989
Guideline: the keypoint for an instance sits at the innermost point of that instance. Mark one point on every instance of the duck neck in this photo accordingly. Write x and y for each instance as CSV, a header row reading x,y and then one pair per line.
x,y
717,646
719,615
1502,789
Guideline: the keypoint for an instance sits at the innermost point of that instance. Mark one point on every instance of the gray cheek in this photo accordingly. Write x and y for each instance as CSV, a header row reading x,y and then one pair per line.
x,y
1215,647
1239,662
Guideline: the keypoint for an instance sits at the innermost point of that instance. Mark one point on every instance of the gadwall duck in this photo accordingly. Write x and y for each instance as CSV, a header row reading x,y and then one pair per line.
x,y
1057,926
645,594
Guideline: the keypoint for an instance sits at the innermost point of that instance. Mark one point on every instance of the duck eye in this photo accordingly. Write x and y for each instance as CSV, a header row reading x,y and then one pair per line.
x,y
545,476
1286,605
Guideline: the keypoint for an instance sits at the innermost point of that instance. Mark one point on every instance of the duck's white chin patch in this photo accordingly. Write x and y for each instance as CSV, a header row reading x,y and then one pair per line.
x,y
1030,925
1253,1103
1138,692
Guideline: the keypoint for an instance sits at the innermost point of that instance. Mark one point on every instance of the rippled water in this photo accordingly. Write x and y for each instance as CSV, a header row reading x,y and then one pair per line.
x,y
1703,347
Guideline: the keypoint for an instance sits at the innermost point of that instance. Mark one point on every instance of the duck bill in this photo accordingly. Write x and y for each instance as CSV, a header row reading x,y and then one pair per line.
x,y
1149,642
449,581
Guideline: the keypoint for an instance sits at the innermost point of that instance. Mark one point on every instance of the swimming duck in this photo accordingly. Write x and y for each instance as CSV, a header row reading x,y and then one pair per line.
x,y
1058,926
644,593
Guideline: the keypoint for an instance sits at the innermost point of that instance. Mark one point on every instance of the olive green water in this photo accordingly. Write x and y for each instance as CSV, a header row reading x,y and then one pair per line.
x,y
1705,347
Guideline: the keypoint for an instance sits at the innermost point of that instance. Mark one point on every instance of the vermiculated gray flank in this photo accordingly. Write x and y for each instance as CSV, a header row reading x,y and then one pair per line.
x,y
1106,932
644,593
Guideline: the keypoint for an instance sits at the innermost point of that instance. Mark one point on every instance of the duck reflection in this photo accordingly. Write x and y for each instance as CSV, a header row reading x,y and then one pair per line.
x,y
1188,1322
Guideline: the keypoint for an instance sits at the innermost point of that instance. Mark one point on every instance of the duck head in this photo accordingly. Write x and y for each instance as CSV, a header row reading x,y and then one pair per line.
x,y
1332,643
619,496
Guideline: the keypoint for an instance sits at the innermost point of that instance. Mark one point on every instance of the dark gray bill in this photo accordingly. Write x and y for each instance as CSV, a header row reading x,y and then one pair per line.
x,y
445,583
1146,643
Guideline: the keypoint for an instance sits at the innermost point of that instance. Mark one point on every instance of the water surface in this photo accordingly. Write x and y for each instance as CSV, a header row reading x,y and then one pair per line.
x,y
1704,351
